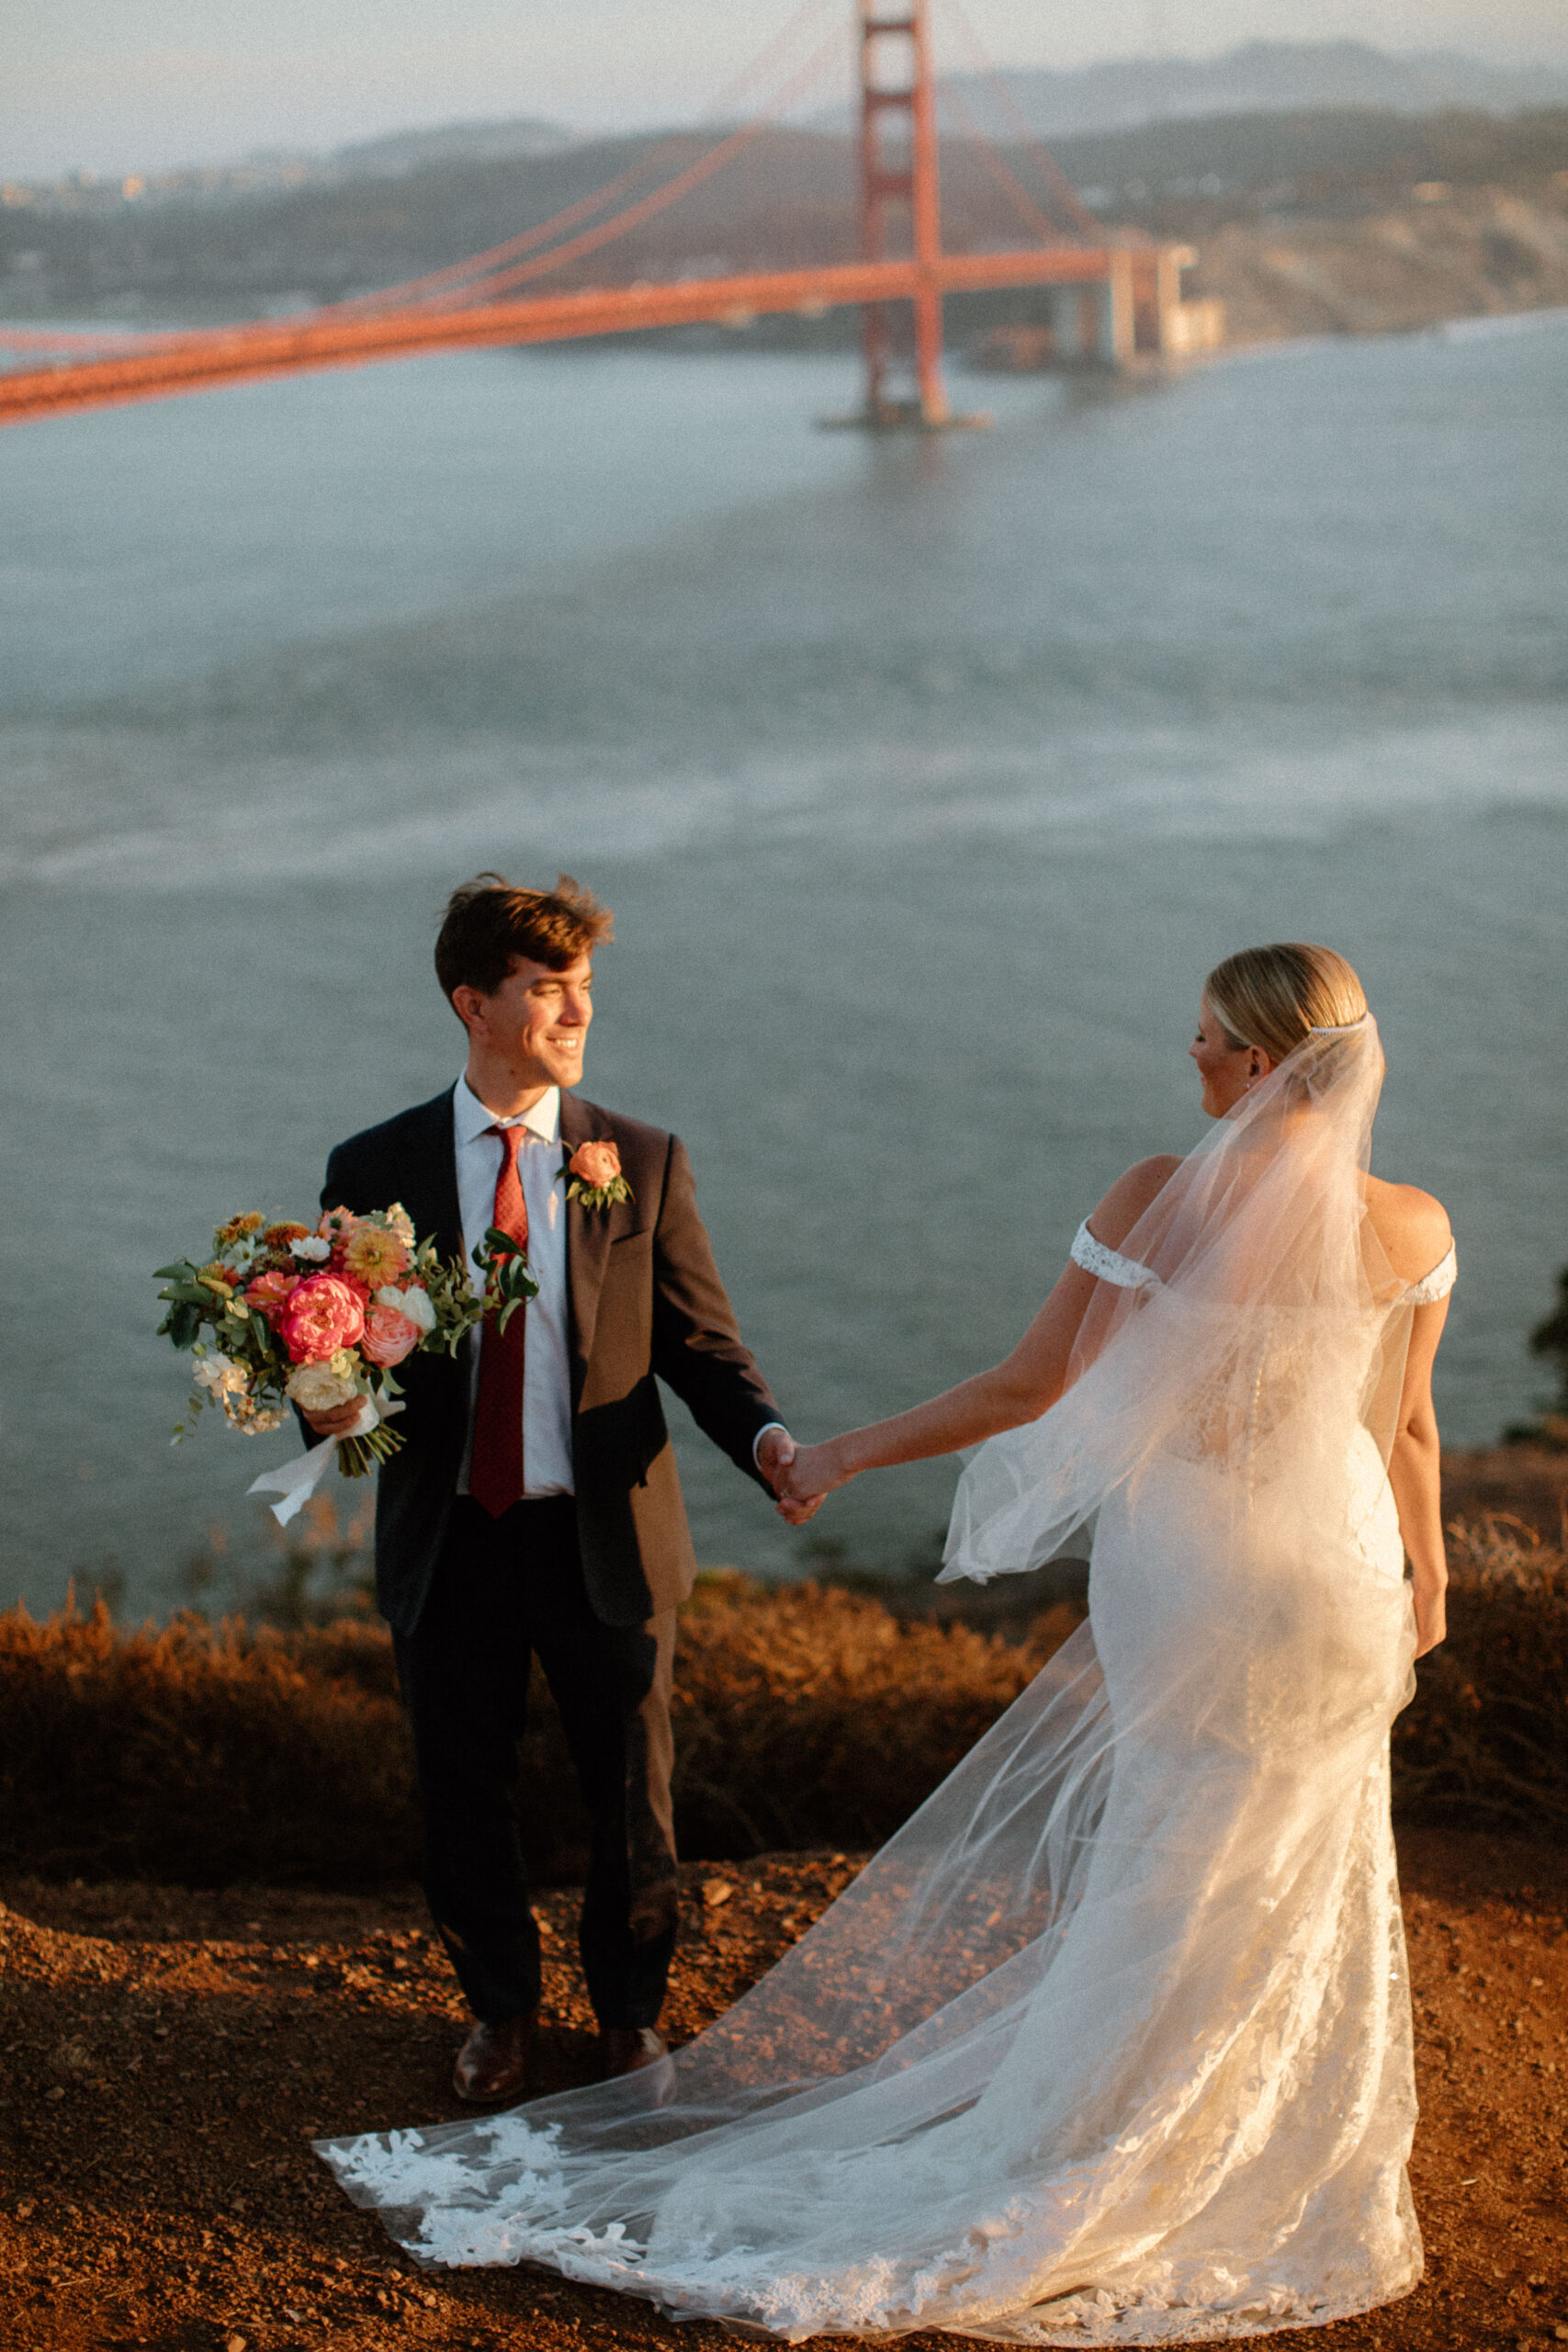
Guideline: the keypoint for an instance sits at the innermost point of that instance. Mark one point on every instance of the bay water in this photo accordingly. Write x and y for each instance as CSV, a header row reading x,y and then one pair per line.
x,y
926,778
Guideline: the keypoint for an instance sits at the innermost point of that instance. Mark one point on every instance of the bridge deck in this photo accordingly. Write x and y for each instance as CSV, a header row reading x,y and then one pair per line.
x,y
197,362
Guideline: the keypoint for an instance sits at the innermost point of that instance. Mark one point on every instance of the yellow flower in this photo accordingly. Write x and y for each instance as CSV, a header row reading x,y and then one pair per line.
x,y
375,1255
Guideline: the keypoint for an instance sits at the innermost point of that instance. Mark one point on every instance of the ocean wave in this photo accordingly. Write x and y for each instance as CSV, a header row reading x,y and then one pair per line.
x,y
117,810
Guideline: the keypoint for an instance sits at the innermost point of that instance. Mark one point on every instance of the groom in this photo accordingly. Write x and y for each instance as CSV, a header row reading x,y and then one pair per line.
x,y
534,1509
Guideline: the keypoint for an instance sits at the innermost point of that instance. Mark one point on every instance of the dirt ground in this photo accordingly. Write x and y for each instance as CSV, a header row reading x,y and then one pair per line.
x,y
168,2056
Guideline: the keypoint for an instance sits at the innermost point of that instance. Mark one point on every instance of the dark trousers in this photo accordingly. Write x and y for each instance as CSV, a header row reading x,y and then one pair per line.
x,y
505,1591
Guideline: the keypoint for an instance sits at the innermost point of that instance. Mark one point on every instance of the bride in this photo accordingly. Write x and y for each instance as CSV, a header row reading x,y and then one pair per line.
x,y
1111,2043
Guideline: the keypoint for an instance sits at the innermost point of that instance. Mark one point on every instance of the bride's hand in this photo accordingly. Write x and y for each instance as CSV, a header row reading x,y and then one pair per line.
x,y
1431,1617
814,1473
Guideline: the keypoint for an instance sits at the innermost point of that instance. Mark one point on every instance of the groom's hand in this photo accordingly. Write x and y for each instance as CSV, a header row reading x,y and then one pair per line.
x,y
775,1452
338,1420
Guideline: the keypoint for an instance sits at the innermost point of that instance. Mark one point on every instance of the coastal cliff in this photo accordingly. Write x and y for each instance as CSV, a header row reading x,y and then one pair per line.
x,y
1473,252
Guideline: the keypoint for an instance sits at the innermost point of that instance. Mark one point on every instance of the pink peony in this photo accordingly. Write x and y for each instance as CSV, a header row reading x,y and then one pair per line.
x,y
321,1317
269,1293
388,1336
596,1164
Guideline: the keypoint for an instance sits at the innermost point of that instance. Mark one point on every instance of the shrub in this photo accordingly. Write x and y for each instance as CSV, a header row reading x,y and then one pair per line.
x,y
201,1752
209,1753
807,1716
1486,1741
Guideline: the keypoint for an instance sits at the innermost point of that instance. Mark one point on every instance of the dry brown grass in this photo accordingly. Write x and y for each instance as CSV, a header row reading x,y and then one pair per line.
x,y
201,1753
1486,1741
810,1716
204,1753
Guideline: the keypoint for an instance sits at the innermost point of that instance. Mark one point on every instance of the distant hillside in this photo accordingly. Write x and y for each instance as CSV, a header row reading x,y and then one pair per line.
x,y
452,142
1262,77
1240,187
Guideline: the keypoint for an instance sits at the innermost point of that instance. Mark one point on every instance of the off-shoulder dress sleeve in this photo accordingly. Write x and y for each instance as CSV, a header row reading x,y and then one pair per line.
x,y
1109,1264
1437,1284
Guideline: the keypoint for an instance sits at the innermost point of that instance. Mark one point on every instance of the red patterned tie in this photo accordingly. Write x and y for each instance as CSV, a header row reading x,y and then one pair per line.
x,y
495,1472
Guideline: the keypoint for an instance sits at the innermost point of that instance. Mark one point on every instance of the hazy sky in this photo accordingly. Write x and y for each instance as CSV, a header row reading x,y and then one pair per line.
x,y
111,85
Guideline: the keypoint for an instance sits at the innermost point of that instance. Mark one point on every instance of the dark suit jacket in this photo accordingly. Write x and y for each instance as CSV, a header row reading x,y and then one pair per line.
x,y
645,1305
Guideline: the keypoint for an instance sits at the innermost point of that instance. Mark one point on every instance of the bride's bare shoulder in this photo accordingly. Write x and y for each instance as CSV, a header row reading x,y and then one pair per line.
x,y
1113,1217
1412,1226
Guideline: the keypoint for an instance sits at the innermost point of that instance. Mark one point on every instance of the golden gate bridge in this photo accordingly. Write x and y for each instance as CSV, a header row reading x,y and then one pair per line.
x,y
1111,296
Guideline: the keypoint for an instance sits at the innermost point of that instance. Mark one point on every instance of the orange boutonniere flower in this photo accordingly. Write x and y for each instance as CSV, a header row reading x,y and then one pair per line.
x,y
593,1175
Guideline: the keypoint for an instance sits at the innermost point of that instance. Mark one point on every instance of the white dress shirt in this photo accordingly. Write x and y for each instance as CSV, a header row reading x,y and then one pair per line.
x,y
546,1368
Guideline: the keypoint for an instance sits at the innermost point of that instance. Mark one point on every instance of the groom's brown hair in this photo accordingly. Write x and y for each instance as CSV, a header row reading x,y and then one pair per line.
x,y
490,923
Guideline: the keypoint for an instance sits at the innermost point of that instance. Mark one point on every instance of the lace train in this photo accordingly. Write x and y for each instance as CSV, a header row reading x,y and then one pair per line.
x,y
1109,2045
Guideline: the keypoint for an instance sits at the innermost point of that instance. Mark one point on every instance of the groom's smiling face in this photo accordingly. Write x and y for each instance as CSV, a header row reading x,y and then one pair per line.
x,y
533,1028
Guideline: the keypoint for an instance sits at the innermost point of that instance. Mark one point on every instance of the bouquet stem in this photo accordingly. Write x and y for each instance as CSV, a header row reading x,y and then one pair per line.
x,y
356,1456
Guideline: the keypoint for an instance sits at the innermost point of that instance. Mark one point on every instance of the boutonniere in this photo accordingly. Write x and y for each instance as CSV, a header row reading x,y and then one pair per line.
x,y
594,1176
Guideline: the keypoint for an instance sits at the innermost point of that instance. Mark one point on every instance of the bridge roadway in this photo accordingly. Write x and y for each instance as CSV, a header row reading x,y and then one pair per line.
x,y
1134,281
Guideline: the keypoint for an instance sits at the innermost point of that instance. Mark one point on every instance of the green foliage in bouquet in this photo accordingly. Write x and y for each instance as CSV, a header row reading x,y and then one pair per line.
x,y
281,1314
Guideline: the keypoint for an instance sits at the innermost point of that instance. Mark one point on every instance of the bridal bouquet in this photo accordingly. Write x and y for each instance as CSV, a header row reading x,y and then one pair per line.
x,y
282,1313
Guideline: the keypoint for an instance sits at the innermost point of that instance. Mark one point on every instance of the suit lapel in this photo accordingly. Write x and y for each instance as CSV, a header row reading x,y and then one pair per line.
x,y
434,1208
587,1242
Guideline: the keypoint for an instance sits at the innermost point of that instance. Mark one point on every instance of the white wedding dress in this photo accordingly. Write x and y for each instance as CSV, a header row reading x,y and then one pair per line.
x,y
1111,2043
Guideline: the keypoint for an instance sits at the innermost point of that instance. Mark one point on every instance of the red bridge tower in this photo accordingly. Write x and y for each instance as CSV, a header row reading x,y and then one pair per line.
x,y
900,205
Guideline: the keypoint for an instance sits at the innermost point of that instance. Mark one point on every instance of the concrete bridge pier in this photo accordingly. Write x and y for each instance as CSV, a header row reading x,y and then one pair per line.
x,y
1064,311
1095,324
1116,331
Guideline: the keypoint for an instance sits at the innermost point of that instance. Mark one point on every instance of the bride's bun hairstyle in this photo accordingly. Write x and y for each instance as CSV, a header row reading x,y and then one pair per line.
x,y
1275,997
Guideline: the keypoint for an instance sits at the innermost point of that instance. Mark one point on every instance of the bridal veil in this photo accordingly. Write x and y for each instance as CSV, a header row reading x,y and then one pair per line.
x,y
1110,2043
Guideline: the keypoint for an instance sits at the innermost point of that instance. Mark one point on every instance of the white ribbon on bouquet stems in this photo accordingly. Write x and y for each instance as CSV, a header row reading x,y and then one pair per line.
x,y
296,1482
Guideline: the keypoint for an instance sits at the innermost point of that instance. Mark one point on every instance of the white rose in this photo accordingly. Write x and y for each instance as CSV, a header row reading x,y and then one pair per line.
x,y
312,1246
316,1388
415,1302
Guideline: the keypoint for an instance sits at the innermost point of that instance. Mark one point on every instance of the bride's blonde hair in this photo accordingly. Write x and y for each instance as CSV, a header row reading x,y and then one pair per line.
x,y
1275,997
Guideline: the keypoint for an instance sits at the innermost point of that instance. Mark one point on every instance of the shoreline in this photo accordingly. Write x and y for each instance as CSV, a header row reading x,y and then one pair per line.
x,y
965,356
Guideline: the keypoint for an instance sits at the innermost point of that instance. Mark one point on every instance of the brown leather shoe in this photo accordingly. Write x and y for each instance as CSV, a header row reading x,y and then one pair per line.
x,y
638,2049
491,2062
627,2049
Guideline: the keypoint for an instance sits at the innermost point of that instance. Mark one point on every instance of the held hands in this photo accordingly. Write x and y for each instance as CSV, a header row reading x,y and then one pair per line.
x,y
802,1477
777,1452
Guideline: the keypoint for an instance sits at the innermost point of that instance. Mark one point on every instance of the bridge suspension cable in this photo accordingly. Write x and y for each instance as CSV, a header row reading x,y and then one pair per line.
x,y
995,162
465,275
1067,196
659,198
481,274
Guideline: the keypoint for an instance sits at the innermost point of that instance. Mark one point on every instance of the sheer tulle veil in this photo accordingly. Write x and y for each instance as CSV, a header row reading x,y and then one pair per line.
x,y
1106,2044
1249,1343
